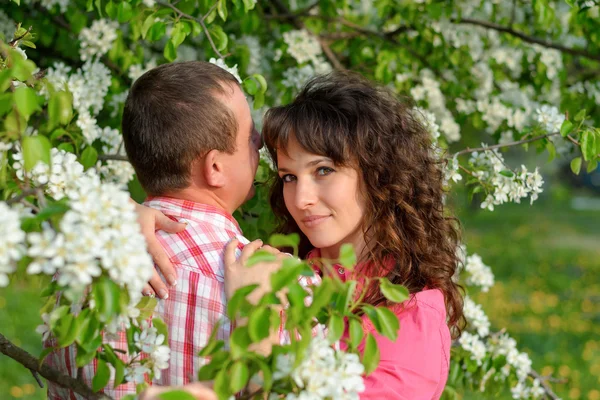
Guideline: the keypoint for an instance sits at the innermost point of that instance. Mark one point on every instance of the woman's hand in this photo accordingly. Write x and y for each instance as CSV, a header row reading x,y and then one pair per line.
x,y
150,221
238,275
197,389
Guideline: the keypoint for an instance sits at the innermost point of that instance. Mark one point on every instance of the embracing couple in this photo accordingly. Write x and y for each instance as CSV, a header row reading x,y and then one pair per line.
x,y
355,165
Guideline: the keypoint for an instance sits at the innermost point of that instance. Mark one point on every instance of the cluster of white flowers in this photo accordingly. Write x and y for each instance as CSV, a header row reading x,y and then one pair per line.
x,y
476,316
503,184
522,391
98,39
11,241
296,77
550,118
451,171
430,92
592,89
148,341
325,373
232,70
504,345
551,58
89,86
137,70
479,274
473,344
302,45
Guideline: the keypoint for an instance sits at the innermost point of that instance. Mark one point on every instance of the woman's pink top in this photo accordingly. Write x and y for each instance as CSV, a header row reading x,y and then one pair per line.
x,y
415,366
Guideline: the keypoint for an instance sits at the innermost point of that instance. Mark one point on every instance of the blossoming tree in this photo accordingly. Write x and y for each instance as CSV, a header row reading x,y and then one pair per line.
x,y
494,74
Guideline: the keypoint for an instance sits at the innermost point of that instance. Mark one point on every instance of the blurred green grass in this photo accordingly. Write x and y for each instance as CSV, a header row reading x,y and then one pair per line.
x,y
546,259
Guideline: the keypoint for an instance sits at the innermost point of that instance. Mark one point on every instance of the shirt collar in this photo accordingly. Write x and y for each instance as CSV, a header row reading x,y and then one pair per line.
x,y
196,212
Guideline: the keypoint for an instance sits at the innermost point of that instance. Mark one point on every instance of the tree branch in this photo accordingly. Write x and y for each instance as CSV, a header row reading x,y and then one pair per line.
x,y
527,38
181,14
544,385
116,157
21,196
32,363
499,146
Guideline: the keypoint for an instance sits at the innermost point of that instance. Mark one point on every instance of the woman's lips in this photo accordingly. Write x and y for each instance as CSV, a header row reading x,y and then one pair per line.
x,y
314,220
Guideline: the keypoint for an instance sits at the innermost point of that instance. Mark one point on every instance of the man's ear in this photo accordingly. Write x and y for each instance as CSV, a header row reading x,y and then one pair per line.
x,y
214,173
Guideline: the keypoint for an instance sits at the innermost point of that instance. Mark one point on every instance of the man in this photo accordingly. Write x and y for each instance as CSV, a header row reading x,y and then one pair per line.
x,y
189,135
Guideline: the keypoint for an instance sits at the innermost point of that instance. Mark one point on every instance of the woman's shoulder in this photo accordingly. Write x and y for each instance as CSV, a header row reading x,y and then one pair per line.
x,y
428,301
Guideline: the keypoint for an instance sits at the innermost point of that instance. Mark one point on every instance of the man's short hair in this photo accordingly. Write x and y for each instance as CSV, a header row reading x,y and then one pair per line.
x,y
173,115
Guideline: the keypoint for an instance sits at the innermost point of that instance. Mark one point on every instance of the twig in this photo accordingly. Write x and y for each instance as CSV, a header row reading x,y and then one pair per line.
x,y
37,378
499,146
116,157
544,385
21,196
15,40
32,363
200,21
210,11
527,38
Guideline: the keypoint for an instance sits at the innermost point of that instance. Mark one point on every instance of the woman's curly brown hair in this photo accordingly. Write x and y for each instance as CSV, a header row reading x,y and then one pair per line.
x,y
355,123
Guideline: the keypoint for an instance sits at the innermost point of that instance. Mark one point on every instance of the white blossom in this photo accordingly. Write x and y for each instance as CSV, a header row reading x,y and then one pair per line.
x,y
302,45
97,39
11,241
44,329
479,274
550,118
476,317
474,345
232,70
49,4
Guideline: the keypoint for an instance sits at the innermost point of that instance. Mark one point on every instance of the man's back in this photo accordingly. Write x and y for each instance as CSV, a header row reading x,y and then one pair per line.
x,y
197,302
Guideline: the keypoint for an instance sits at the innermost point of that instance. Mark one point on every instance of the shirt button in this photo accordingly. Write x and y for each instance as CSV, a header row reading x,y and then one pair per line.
x,y
341,271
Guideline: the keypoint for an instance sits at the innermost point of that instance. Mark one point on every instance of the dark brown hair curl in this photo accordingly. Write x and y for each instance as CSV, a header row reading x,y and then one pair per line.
x,y
355,123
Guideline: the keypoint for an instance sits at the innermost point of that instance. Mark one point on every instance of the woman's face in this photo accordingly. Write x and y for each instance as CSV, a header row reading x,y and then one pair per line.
x,y
322,198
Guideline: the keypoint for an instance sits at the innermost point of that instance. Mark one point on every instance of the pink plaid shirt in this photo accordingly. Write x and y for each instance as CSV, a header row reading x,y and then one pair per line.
x,y
195,304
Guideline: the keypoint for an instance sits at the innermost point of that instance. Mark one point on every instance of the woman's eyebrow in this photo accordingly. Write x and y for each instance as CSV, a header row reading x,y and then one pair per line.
x,y
309,164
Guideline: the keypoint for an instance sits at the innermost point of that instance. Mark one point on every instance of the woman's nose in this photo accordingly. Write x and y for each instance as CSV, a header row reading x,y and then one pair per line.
x,y
306,194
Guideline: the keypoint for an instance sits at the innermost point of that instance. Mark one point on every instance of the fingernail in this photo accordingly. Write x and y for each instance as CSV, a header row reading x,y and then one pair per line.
x,y
172,279
163,294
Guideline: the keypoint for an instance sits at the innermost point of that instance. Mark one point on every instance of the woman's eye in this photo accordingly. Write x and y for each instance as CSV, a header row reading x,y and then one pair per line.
x,y
287,178
323,171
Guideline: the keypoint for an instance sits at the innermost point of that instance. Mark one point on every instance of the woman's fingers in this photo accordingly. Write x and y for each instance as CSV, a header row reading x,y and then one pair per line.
x,y
166,224
161,259
159,286
148,291
229,256
250,249
270,249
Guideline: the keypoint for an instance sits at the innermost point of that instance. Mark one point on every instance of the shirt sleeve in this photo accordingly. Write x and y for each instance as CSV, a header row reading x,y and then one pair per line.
x,y
415,366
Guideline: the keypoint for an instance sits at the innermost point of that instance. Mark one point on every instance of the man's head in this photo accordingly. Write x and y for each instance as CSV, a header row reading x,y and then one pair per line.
x,y
188,126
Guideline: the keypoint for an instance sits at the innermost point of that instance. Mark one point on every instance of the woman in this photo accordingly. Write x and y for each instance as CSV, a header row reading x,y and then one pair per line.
x,y
356,166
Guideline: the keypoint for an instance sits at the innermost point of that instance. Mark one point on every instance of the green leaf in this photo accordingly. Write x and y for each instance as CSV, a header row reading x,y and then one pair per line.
x,y
178,34
588,145
279,240
146,306
370,358
250,86
335,328
83,357
107,295
111,10
592,165
239,375
89,156
284,277
507,173
566,128
124,12
35,149
261,256
119,372
5,79
219,37
551,151
259,324
347,256
238,300
389,322
102,376
170,52
259,100
393,292
45,352
239,341
580,116
161,328
60,109
26,101
356,332
576,165
222,9
176,395
262,81
157,31
249,5
148,22
6,103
